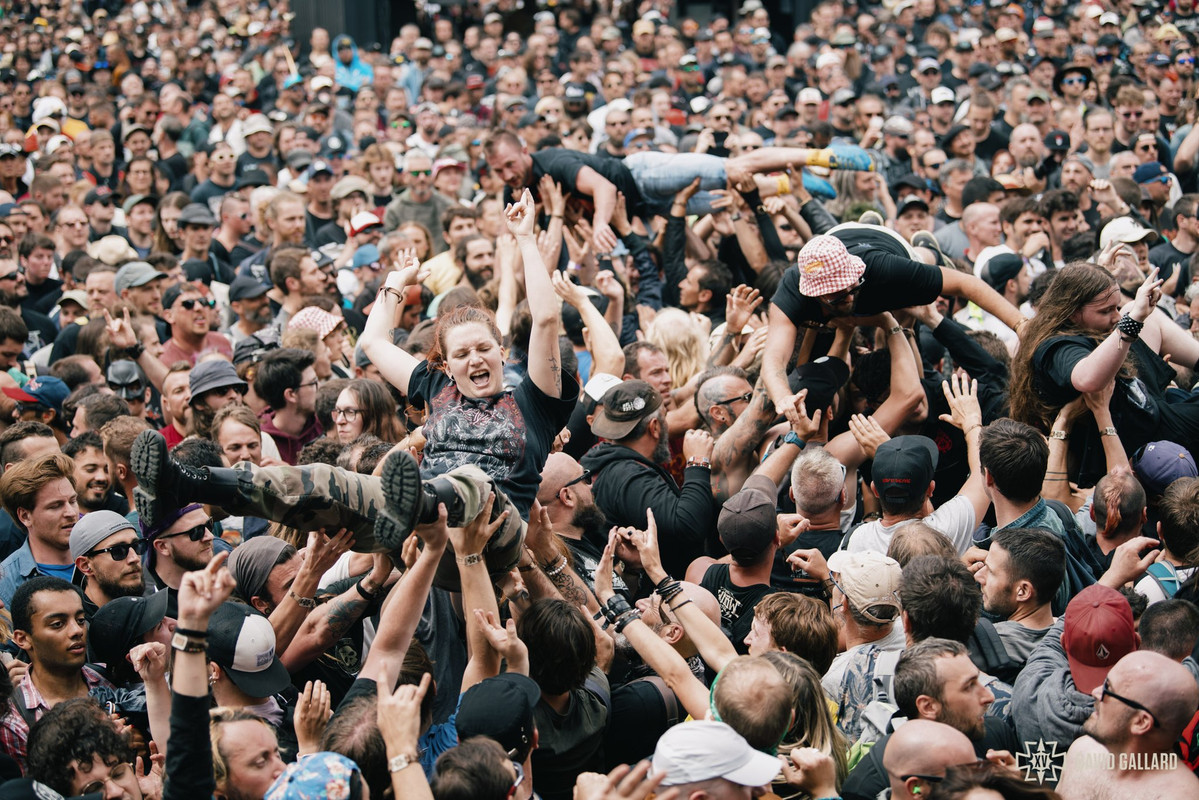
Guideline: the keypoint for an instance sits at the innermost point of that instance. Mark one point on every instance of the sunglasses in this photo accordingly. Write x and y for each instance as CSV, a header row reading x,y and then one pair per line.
x,y
1188,61
1132,114
120,552
1080,81
401,123
1102,59
584,478
1106,691
192,302
744,398
1161,179
420,172
841,297
195,534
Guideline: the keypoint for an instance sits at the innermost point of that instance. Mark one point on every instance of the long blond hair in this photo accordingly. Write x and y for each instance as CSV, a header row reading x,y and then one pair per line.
x,y
685,346
812,724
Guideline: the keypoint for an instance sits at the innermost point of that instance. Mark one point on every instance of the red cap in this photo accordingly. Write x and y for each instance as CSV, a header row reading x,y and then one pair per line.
x,y
1098,632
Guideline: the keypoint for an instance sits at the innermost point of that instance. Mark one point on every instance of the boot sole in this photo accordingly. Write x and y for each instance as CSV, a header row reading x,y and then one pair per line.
x,y
147,458
402,495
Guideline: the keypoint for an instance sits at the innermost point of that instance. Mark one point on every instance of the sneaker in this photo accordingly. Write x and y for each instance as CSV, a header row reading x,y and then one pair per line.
x,y
871,218
404,500
927,240
843,156
818,186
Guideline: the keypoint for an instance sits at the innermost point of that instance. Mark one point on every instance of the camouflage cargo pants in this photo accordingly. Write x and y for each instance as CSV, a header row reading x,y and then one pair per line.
x,y
318,496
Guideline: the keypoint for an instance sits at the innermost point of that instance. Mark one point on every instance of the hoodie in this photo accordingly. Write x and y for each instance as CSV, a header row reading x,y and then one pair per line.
x,y
1046,705
355,74
625,484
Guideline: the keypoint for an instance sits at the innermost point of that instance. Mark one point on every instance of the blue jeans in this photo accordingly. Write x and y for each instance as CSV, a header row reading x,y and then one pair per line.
x,y
660,176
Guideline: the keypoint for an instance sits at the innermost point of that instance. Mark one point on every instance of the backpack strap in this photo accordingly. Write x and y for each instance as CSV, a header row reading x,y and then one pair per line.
x,y
1165,576
669,699
884,675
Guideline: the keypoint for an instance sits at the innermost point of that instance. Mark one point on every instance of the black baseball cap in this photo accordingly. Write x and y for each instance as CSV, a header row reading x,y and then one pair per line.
x,y
903,468
246,288
1000,269
121,623
625,405
500,708
823,378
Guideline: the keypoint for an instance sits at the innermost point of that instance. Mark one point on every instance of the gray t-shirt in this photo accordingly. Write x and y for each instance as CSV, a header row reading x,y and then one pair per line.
x,y
1018,640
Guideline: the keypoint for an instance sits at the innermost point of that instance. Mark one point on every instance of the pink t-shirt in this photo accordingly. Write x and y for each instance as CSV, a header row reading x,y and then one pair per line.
x,y
214,342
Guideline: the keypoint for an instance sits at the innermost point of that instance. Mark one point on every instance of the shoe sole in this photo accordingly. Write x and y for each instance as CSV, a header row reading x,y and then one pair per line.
x,y
147,458
402,495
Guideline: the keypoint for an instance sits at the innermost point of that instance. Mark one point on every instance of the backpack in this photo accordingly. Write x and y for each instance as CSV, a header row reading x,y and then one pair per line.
x,y
870,719
1166,578
988,653
674,712
1189,744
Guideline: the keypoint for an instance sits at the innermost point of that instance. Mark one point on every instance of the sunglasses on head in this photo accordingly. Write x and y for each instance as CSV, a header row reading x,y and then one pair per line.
x,y
195,534
120,552
191,303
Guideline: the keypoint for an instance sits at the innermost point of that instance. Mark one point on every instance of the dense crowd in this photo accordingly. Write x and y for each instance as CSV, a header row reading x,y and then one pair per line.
x,y
591,402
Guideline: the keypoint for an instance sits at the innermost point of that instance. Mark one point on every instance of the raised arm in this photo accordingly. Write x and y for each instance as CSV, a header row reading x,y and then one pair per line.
x,y
322,553
545,359
606,353
477,591
780,344
1099,368
395,364
978,292
603,195
962,396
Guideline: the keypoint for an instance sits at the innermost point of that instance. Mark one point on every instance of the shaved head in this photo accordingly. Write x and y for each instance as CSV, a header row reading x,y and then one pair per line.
x,y
1161,684
924,747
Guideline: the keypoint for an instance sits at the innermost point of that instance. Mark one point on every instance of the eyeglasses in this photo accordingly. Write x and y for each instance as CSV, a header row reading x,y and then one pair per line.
x,y
744,398
350,414
1106,691
520,777
313,384
192,302
722,118
194,534
584,478
120,552
416,173
1132,114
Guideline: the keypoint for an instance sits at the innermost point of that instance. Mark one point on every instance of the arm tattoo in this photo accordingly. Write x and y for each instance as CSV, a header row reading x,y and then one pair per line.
x,y
557,371
724,351
570,587
342,613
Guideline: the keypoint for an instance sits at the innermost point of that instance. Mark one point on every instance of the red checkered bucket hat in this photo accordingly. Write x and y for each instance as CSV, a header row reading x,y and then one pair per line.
x,y
826,267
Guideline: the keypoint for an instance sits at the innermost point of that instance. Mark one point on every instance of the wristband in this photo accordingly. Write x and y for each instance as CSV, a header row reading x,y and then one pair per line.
x,y
1129,327
616,607
303,602
393,292
1059,435
191,632
699,461
188,644
1108,431
626,618
894,329
133,352
470,560
367,596
559,565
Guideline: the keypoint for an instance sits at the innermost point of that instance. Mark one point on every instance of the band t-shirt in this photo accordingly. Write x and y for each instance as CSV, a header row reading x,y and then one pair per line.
x,y
889,282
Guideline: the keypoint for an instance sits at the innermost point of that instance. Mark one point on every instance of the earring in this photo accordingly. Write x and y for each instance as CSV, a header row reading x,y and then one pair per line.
x,y
212,679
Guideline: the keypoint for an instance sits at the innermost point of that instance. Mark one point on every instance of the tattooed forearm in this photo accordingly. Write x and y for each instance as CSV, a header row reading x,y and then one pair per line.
x,y
724,351
342,612
571,587
556,369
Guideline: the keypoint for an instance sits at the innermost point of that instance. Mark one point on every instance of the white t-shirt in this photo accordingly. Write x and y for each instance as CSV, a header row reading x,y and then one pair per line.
x,y
955,519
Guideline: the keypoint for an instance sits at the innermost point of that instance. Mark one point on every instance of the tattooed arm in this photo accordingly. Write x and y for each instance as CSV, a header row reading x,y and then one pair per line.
x,y
330,621
734,455
545,359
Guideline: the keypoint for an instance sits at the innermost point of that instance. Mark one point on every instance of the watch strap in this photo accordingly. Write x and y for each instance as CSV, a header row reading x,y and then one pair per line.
x,y
400,762
302,602
791,437
188,644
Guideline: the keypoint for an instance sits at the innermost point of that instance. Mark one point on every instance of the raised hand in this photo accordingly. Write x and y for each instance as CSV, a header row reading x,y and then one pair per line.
x,y
398,716
407,270
739,306
568,290
962,396
697,444
1147,297
313,711
687,192
646,543
201,592
503,640
603,570
149,660
868,433
472,538
551,195
120,331
322,551
519,215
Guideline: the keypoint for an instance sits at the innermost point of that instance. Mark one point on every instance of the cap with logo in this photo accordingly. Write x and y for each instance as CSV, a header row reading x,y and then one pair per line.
x,y
1158,464
903,469
870,582
623,406
242,643
1098,631
908,202
826,267
98,194
44,390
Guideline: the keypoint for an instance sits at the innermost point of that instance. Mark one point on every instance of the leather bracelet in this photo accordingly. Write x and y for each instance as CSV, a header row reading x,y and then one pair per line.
x,y
394,292
190,632
1129,327
625,619
367,596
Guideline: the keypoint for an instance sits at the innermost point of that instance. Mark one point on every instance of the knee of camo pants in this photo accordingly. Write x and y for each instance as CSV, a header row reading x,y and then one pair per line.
x,y
312,497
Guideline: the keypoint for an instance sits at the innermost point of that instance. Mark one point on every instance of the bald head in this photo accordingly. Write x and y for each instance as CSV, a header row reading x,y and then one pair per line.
x,y
559,470
924,747
717,390
980,221
1162,685
704,600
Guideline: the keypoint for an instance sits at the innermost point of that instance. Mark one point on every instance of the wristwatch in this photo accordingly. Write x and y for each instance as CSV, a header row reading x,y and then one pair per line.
x,y
188,644
791,437
400,762
1060,435
302,602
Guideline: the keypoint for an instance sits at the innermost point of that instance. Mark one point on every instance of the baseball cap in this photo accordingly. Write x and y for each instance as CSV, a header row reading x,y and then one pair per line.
x,y
500,708
624,405
643,26
908,202
93,528
747,522
251,563
134,200
1057,140
112,250
364,220
898,126
1098,631
574,92
868,579
843,97
132,129
298,160
926,64
1038,94
349,184
1109,18
98,194
1082,160
242,642
942,94
823,378
1158,60
197,214
1127,230
293,80
317,319
703,750
827,60
257,123
825,267
318,167
1042,26
252,349
135,274
29,789
808,97
1150,171
448,163
365,256
75,296
1158,464
246,288
44,390
215,374
1000,269
904,468
638,133
121,623
7,149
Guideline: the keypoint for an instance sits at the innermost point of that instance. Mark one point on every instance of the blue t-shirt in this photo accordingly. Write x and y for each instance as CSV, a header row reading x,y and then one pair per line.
x,y
64,571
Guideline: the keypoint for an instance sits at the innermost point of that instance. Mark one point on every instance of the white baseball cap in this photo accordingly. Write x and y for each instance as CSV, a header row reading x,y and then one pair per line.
x,y
703,750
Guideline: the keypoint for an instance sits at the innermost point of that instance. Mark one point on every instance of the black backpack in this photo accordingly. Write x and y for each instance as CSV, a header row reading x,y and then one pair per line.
x,y
989,654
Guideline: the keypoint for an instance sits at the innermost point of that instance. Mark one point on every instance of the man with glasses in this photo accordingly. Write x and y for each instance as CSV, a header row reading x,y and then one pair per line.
x,y
565,494
616,127
108,553
180,543
40,400
287,382
418,202
31,329
1141,709
1155,181
188,311
196,224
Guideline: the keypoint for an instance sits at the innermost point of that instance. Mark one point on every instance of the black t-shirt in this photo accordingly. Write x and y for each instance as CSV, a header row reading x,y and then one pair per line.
x,y
987,148
210,193
781,575
563,166
736,603
1166,257
507,435
890,282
